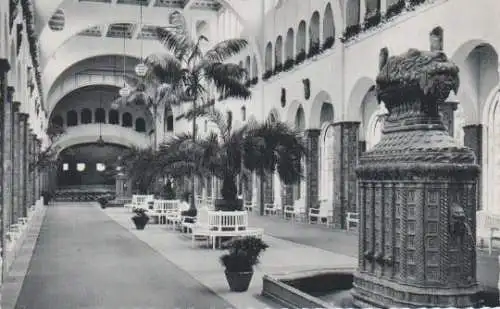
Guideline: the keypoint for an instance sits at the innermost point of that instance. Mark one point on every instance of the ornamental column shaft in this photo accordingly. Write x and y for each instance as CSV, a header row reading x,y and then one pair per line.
x,y
16,171
311,139
4,101
23,118
29,163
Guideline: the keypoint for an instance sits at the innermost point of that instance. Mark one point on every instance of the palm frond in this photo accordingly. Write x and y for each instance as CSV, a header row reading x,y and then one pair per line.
x,y
180,44
228,78
165,68
225,50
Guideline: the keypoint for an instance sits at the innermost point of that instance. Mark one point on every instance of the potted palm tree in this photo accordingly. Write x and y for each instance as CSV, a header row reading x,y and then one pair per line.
x,y
193,72
140,218
243,255
266,148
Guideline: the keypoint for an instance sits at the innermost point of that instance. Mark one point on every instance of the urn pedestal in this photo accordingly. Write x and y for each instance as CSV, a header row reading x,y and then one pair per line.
x,y
417,195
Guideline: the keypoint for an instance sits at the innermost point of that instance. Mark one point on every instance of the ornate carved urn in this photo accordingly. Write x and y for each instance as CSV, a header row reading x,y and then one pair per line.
x,y
417,194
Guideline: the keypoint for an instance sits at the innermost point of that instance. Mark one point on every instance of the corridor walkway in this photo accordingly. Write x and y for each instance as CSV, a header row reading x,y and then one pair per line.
x,y
83,259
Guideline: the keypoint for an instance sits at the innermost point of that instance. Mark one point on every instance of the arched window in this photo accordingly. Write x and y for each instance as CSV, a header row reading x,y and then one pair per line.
x,y
86,115
168,125
353,12
268,61
100,115
71,118
140,125
57,121
328,27
243,113
127,120
278,52
289,45
114,117
314,33
301,38
255,69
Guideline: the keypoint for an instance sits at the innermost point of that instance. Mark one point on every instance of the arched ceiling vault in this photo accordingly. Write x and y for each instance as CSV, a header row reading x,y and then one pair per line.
x,y
100,26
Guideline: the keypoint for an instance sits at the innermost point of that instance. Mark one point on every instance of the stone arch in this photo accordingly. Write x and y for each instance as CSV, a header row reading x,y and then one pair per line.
x,y
478,63
71,118
314,33
127,120
356,96
300,45
100,115
291,113
317,107
113,117
289,45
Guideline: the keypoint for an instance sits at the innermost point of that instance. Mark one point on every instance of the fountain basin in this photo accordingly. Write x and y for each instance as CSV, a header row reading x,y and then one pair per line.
x,y
318,288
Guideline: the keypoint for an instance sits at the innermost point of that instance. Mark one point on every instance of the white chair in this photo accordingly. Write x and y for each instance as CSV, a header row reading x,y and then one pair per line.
x,y
248,205
352,218
272,209
323,213
488,226
160,210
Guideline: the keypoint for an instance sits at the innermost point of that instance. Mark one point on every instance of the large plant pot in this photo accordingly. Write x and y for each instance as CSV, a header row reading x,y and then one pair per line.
x,y
140,221
223,205
239,281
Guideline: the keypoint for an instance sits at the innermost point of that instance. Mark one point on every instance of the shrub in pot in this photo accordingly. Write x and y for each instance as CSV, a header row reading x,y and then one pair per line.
x,y
243,255
140,218
103,201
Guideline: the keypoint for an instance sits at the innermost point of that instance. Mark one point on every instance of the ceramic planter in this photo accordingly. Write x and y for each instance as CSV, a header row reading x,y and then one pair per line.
x,y
238,281
140,221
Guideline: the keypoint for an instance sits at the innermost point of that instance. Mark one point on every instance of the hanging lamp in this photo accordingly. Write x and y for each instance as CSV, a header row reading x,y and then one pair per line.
x,y
125,91
100,141
141,69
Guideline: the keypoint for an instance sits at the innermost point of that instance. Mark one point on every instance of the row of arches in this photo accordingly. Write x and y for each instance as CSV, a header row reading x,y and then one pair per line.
x,y
99,116
320,34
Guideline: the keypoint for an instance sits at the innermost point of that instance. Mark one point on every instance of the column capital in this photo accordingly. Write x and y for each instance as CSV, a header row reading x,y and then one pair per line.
x,y
4,65
17,105
24,116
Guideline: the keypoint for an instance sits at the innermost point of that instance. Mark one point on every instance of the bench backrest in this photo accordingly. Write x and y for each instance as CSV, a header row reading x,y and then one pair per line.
x,y
487,220
228,220
164,205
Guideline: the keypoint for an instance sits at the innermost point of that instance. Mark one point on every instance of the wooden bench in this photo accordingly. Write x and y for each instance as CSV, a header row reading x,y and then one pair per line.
x,y
272,209
161,208
248,205
488,226
139,201
218,224
320,214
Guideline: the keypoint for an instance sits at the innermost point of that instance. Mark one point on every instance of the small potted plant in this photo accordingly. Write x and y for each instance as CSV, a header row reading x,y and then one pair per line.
x,y
140,218
243,254
103,201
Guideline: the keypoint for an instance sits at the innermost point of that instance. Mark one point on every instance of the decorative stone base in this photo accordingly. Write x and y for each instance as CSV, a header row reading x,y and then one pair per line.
x,y
390,294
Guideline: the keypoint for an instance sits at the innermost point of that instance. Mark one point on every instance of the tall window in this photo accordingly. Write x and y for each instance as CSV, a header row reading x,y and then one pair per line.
x,y
86,115
169,120
100,115
114,117
127,120
72,118
140,125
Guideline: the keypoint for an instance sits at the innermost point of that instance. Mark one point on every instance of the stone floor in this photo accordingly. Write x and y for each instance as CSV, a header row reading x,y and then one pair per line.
x,y
87,257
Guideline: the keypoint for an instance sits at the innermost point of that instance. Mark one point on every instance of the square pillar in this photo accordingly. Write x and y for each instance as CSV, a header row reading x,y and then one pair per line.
x,y
345,180
5,100
16,171
24,159
311,141
447,111
8,116
268,188
30,165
